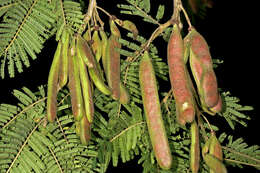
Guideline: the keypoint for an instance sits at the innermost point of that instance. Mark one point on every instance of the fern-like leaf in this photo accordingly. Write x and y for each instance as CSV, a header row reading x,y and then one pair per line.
x,y
233,111
24,29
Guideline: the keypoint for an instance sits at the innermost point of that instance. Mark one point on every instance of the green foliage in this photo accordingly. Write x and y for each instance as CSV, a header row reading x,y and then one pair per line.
x,y
25,27
233,112
142,9
238,153
28,143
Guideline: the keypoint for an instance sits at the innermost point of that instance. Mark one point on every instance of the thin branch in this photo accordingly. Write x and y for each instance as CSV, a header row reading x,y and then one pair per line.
x,y
242,163
104,11
57,162
146,15
241,154
186,17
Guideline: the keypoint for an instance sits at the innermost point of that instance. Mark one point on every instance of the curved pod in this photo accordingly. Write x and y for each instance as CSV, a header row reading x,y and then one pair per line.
x,y
53,85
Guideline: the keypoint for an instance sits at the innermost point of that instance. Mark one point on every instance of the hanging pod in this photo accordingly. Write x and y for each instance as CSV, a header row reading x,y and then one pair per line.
x,y
112,61
179,77
74,84
194,148
86,90
52,88
64,62
203,73
153,113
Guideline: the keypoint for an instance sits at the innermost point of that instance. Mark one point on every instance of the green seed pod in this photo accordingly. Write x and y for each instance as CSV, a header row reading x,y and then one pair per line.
x,y
194,148
153,113
53,85
104,42
85,51
124,95
214,164
179,78
96,46
128,25
74,86
215,148
85,130
64,64
86,90
114,29
77,128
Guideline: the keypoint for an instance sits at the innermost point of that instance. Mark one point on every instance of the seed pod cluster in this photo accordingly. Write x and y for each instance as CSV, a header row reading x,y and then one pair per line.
x,y
76,64
194,50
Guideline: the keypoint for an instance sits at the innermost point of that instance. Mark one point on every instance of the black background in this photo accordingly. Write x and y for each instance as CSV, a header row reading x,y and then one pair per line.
x,y
231,31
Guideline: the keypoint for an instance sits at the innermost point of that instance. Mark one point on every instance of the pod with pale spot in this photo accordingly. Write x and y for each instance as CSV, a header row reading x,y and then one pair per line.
x,y
52,88
179,77
153,113
85,52
74,84
194,148
86,90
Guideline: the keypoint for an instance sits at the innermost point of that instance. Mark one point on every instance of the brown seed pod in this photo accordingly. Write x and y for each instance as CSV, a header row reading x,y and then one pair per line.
x,y
217,108
215,148
53,85
202,70
179,78
153,113
113,61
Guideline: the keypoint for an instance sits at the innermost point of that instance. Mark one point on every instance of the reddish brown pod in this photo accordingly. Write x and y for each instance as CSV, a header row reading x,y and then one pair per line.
x,y
153,113
179,78
202,70
113,61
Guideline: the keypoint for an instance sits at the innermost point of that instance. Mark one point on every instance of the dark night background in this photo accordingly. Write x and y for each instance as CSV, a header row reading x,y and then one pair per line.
x,y
231,32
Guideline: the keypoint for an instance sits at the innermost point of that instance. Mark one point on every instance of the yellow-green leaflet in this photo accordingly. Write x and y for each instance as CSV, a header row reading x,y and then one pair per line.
x,y
53,85
86,90
64,65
